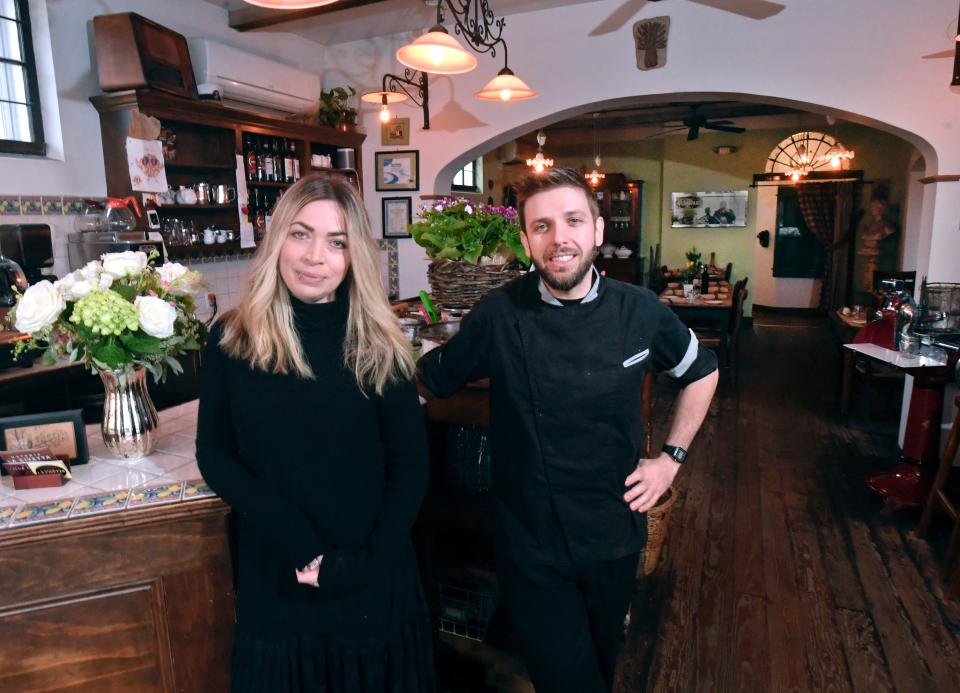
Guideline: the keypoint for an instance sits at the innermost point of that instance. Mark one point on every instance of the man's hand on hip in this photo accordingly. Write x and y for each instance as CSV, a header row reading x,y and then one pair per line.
x,y
649,481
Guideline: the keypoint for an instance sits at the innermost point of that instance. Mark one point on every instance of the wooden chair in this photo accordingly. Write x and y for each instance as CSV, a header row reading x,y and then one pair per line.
x,y
728,271
940,500
713,339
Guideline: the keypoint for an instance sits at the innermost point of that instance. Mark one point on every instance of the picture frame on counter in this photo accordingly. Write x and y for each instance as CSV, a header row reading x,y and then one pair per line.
x,y
395,133
398,170
61,431
397,217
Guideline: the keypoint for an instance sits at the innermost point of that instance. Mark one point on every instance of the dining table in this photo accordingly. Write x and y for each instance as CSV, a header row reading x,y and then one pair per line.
x,y
711,314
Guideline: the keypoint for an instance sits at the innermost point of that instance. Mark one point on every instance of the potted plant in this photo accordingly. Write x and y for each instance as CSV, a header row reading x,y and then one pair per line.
x,y
121,317
473,248
334,109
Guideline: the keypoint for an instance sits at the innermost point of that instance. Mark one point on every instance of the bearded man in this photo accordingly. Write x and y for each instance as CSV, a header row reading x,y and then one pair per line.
x,y
566,351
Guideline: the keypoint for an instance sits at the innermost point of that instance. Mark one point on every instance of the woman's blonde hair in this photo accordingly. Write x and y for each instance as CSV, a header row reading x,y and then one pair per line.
x,y
261,330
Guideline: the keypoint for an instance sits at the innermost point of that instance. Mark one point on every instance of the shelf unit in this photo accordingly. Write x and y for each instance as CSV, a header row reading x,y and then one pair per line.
x,y
621,205
209,137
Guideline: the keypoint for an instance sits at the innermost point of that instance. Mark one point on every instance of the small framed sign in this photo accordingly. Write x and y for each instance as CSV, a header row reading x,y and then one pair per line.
x,y
60,431
398,170
397,217
395,133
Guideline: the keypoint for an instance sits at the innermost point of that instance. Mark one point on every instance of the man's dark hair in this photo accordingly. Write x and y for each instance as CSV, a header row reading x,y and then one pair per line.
x,y
528,186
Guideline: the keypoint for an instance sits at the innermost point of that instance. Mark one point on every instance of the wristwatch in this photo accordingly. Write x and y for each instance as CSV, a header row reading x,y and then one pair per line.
x,y
676,452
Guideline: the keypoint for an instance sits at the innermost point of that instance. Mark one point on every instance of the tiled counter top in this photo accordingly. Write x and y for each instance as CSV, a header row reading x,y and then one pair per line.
x,y
106,484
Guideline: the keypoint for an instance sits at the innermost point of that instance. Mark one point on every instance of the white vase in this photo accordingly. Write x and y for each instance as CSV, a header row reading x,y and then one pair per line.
x,y
130,421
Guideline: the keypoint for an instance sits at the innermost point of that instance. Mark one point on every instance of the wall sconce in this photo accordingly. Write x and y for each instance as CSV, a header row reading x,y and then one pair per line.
x,y
439,52
413,85
724,149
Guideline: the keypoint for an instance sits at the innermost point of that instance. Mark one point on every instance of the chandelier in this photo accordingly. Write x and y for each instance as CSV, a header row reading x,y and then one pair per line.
x,y
440,53
540,163
596,175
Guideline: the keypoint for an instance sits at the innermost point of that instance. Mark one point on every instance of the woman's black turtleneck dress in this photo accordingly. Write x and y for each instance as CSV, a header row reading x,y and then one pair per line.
x,y
316,467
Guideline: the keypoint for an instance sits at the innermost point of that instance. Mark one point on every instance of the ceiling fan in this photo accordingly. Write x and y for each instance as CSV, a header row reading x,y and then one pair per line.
x,y
694,122
754,9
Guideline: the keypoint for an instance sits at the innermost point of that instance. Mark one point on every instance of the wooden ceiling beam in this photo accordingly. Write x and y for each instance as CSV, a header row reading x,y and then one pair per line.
x,y
250,18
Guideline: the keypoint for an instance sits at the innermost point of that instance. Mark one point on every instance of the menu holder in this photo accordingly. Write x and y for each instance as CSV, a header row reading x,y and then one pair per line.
x,y
35,468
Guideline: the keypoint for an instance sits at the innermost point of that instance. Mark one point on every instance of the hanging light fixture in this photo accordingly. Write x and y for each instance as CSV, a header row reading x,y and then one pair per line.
x,y
440,53
413,85
596,175
289,4
837,154
540,163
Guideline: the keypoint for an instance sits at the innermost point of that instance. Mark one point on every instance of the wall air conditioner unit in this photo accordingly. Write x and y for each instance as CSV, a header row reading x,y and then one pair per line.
x,y
251,83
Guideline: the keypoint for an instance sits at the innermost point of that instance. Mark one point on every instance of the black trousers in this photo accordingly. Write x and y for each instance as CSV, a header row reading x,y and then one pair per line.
x,y
569,620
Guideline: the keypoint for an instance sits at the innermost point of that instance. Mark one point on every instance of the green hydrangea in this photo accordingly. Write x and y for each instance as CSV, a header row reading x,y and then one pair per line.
x,y
105,313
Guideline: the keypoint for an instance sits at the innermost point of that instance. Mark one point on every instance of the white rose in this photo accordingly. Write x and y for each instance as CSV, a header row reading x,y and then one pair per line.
x,y
81,289
65,285
171,272
105,281
156,316
39,307
125,264
91,270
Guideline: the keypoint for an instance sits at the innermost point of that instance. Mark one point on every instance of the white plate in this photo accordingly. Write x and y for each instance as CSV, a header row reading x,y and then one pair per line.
x,y
713,302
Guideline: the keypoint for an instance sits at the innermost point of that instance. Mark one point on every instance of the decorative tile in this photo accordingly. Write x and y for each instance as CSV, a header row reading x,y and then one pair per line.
x,y
98,503
72,205
31,204
196,488
49,511
155,494
6,514
52,205
10,204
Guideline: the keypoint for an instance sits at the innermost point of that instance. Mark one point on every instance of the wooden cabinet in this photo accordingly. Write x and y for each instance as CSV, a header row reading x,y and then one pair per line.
x,y
202,141
621,206
137,600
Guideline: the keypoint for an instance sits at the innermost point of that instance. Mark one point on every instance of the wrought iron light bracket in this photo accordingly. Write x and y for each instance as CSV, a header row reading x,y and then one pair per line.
x,y
415,85
475,21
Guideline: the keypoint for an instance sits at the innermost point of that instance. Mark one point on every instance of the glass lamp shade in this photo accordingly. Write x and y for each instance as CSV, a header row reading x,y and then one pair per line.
x,y
506,86
383,97
289,4
437,52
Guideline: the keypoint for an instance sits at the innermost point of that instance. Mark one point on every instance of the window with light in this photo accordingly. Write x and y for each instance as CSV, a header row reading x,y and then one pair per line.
x,y
21,126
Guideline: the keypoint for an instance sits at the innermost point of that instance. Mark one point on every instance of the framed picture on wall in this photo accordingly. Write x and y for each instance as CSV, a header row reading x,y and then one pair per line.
x,y
398,170
395,133
397,217
709,209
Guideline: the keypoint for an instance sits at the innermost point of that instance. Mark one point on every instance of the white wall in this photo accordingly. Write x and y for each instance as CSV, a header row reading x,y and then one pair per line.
x,y
850,71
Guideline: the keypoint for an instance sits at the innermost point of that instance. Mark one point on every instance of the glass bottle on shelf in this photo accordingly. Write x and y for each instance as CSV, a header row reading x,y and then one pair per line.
x,y
249,157
259,220
269,173
267,213
261,163
287,162
278,174
294,162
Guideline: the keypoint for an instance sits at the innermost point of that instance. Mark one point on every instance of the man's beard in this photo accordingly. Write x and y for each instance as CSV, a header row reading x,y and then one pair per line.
x,y
569,281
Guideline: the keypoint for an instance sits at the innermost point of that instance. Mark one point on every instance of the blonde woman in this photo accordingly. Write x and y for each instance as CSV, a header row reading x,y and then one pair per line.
x,y
311,430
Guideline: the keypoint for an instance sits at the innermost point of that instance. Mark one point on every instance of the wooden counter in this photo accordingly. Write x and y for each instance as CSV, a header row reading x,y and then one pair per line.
x,y
138,599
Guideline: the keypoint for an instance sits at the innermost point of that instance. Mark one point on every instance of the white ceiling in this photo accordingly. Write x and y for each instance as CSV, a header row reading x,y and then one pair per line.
x,y
383,18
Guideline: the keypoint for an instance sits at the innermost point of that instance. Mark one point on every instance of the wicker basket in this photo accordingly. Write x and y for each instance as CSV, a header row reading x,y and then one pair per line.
x,y
461,284
657,520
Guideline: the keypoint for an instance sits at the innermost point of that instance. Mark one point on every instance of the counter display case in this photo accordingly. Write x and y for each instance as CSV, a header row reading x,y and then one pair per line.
x,y
621,206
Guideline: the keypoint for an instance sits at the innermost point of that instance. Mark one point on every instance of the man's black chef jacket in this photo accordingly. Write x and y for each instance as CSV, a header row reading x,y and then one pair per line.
x,y
565,409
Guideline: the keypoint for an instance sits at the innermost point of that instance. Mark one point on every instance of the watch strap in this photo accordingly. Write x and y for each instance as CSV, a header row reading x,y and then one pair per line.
x,y
676,452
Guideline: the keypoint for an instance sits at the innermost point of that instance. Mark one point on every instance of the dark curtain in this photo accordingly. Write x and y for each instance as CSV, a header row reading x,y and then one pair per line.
x,y
827,211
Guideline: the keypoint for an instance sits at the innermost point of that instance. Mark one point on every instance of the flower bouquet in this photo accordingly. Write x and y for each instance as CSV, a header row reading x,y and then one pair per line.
x,y
473,247
120,316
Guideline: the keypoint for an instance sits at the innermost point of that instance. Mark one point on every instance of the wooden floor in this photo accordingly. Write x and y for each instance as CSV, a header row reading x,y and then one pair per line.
x,y
779,573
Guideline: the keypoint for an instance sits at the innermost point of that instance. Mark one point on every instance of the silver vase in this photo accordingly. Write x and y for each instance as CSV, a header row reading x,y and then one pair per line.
x,y
130,420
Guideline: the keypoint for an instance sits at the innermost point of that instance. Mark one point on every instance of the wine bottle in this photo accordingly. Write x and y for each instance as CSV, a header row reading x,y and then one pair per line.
x,y
277,160
261,162
267,214
250,157
287,163
295,161
268,169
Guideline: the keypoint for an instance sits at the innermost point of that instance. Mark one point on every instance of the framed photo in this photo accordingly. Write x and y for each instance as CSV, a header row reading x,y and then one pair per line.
x,y
397,217
396,132
709,209
398,170
61,431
